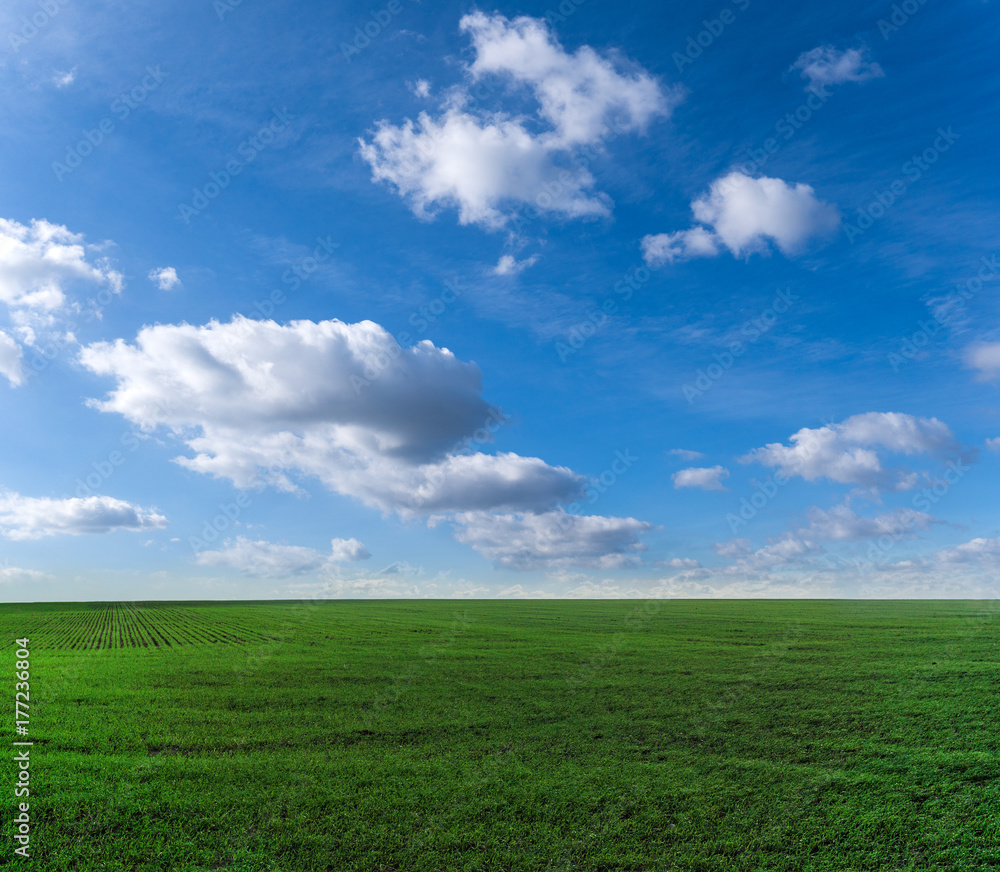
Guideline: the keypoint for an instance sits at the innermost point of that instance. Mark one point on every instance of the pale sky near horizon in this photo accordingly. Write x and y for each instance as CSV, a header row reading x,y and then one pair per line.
x,y
403,299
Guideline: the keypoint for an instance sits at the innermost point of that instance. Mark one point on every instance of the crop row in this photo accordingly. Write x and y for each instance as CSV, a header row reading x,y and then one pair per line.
x,y
133,625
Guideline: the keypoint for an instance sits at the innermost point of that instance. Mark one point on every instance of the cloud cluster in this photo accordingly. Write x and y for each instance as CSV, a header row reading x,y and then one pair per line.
x,y
39,261
842,523
552,540
849,453
746,215
33,518
482,163
256,402
706,478
826,65
267,560
342,402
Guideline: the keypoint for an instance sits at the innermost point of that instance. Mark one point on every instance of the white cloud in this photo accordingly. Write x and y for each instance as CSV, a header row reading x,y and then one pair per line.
x,y
552,540
843,523
421,88
978,551
684,454
661,248
993,444
509,265
706,478
344,550
788,550
267,560
64,79
746,215
825,65
342,402
32,518
165,278
482,163
477,166
10,359
15,575
848,452
38,263
984,357
579,94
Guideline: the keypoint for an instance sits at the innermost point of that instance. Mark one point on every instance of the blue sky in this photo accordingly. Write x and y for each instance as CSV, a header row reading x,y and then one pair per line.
x,y
394,299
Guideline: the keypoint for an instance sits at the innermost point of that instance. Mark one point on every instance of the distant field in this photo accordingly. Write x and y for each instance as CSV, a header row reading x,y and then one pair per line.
x,y
484,735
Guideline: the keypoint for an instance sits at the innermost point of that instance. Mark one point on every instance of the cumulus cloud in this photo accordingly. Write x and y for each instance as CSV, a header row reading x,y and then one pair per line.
x,y
984,357
482,163
510,265
267,560
260,403
344,550
844,524
33,518
40,261
661,248
165,277
552,540
747,215
706,478
342,402
579,94
826,65
10,359
848,452
993,444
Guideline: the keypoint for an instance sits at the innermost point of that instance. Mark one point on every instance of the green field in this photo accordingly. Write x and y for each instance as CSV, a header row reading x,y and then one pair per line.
x,y
486,735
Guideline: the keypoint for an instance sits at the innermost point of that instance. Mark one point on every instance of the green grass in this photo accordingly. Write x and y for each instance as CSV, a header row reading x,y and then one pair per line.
x,y
553,735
